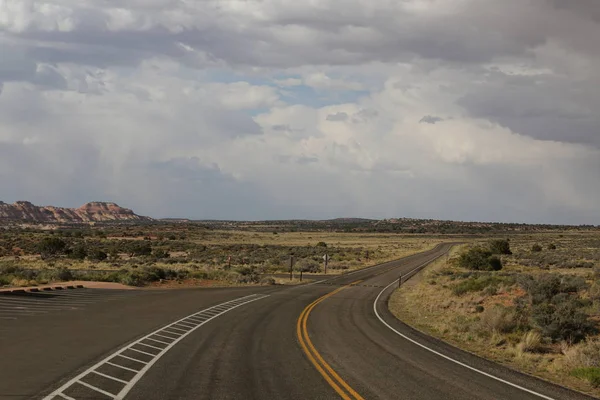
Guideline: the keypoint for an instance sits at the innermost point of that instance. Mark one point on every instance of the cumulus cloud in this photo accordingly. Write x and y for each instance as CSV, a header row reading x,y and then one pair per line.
x,y
464,109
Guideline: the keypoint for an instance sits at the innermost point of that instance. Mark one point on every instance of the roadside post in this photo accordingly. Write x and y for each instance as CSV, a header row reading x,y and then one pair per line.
x,y
291,268
400,280
325,261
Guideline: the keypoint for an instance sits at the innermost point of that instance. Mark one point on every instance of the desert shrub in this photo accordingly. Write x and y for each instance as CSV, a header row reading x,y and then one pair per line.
x,y
97,255
78,252
321,244
585,354
308,265
578,264
590,374
268,280
536,248
479,259
498,319
544,288
51,246
551,246
495,264
55,274
531,342
475,284
160,254
248,275
140,249
500,246
562,319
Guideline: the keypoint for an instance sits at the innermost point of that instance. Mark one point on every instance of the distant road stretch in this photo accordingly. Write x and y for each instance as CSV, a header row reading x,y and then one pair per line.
x,y
331,339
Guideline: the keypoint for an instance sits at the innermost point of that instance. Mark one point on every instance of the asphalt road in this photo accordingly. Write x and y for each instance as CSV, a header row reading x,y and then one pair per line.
x,y
249,343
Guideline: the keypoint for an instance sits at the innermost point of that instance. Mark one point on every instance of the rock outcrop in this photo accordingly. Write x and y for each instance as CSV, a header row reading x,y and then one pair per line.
x,y
91,212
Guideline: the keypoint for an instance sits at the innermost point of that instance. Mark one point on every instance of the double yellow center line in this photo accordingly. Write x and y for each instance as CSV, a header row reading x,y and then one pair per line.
x,y
334,380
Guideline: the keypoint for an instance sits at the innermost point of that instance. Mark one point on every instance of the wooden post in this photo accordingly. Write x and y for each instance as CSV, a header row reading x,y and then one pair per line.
x,y
291,267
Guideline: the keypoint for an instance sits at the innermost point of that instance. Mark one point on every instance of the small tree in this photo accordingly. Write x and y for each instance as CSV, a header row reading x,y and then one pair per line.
x,y
51,246
79,252
160,253
97,255
500,246
479,259
140,249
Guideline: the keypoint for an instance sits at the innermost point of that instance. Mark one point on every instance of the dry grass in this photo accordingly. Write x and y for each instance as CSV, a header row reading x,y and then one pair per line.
x,y
482,322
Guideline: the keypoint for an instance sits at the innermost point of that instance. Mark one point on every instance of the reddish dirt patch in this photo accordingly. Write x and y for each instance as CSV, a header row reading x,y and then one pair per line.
x,y
87,284
506,299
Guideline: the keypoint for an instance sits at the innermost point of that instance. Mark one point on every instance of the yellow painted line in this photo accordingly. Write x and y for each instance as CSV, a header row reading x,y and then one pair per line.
x,y
332,378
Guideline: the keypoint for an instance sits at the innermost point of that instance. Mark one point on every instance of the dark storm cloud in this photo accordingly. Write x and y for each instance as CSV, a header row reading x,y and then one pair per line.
x,y
429,119
544,107
339,116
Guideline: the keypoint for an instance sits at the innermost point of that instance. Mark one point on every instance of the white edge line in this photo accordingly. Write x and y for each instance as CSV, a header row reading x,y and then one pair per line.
x,y
443,355
140,374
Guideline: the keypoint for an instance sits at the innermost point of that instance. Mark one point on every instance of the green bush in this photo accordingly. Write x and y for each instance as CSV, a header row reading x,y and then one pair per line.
x,y
51,246
562,320
308,265
543,288
160,254
97,255
590,374
479,259
500,246
479,283
78,252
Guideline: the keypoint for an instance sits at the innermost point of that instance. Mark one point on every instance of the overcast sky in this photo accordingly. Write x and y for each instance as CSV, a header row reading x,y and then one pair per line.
x,y
268,109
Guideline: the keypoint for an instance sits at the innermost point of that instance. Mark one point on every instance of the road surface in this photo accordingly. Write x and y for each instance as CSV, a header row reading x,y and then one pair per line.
x,y
327,340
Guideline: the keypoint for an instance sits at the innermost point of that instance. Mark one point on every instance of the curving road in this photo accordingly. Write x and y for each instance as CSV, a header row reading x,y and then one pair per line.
x,y
329,340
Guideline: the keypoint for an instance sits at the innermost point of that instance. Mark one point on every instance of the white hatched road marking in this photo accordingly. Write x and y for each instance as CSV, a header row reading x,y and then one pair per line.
x,y
158,341
225,307
30,304
163,336
141,351
179,329
188,324
109,377
97,389
172,333
149,345
122,367
132,359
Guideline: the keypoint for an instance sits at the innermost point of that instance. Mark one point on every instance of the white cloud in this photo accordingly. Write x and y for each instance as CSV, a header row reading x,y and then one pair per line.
x,y
202,109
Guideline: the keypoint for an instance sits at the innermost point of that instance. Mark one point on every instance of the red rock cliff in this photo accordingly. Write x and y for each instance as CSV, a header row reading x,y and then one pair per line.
x,y
90,212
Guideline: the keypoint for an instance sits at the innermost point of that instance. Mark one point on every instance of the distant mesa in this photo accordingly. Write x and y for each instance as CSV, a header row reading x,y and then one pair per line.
x,y
25,211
